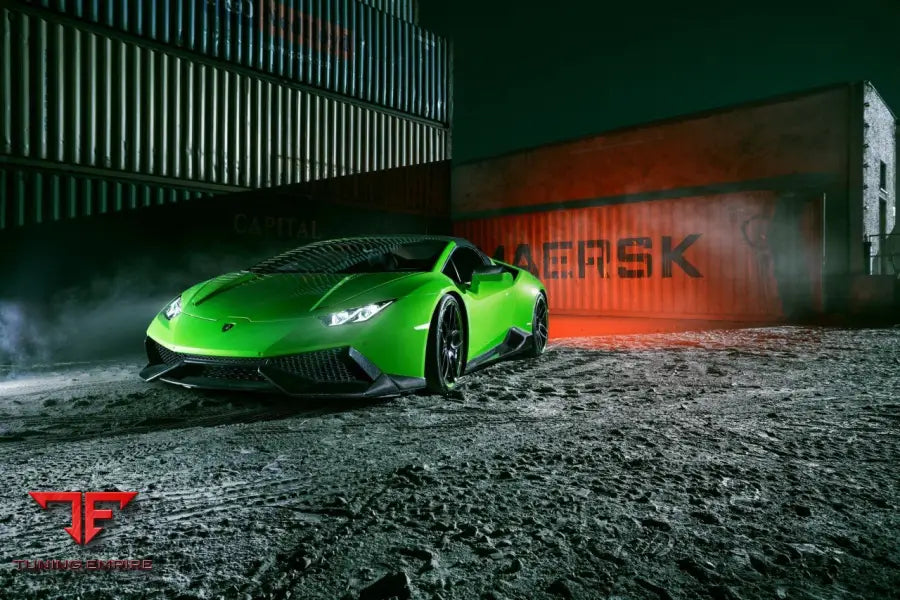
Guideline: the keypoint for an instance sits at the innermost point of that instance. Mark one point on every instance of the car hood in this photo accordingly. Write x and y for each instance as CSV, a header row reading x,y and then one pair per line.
x,y
279,296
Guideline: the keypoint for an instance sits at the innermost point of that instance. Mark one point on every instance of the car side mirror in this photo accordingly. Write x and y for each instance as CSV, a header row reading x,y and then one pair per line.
x,y
487,273
488,270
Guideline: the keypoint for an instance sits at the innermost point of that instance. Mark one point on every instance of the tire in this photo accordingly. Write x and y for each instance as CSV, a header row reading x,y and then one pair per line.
x,y
540,327
445,355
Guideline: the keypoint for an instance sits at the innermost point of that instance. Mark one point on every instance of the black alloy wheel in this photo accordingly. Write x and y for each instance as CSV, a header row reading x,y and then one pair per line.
x,y
540,326
446,345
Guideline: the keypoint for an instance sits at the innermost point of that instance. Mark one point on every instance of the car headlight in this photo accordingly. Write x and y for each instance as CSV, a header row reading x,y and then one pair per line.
x,y
356,315
173,309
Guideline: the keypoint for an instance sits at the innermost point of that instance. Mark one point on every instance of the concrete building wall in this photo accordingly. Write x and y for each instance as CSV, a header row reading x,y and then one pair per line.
x,y
879,173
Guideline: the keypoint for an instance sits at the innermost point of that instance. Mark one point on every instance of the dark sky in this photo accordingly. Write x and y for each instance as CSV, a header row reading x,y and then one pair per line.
x,y
527,73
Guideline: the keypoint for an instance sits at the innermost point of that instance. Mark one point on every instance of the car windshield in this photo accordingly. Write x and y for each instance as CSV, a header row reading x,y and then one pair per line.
x,y
357,255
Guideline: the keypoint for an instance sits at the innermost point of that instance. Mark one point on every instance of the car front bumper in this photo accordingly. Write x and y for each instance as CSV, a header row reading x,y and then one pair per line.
x,y
334,372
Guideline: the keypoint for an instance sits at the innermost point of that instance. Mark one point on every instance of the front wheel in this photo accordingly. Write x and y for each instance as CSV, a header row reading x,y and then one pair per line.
x,y
540,326
446,344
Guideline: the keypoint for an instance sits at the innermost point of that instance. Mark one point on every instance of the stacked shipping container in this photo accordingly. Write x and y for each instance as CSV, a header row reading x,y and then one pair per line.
x,y
749,214
698,257
115,105
220,233
345,46
404,9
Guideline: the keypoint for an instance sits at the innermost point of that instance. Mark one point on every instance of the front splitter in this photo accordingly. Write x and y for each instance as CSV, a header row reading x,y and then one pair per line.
x,y
279,381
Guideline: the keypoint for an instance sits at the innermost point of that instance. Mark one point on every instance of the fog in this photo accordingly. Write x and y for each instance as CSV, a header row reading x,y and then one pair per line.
x,y
103,318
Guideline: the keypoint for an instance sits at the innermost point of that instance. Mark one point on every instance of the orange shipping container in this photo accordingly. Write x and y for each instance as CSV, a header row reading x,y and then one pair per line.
x,y
748,256
797,141
750,213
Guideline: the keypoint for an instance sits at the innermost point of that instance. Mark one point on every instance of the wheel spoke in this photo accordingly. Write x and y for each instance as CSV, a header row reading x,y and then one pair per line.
x,y
539,324
450,338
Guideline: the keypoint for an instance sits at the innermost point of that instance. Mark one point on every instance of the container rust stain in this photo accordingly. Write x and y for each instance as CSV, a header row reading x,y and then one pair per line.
x,y
749,257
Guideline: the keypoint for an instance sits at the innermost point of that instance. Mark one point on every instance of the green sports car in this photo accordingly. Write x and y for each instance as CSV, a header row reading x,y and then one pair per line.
x,y
352,317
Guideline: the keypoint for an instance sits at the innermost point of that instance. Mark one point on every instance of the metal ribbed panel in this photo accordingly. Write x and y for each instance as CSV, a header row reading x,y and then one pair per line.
x,y
752,256
73,96
6,84
32,197
360,49
402,9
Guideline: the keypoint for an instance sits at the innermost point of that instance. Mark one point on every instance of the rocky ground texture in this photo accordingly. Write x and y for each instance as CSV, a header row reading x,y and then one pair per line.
x,y
757,463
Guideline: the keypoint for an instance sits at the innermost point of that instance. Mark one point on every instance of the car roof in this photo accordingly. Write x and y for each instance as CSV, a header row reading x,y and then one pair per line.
x,y
356,244
404,238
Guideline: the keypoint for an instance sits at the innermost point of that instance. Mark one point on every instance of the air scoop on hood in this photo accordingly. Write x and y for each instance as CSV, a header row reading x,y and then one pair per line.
x,y
280,296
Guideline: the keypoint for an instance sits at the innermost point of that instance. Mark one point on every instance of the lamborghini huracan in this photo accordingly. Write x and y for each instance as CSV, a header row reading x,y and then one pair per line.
x,y
352,317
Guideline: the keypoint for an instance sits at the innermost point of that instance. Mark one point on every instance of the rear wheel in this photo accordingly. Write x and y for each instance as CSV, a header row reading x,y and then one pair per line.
x,y
446,343
540,326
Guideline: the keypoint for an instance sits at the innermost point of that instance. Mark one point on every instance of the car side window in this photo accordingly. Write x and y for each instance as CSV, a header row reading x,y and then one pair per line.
x,y
450,270
463,261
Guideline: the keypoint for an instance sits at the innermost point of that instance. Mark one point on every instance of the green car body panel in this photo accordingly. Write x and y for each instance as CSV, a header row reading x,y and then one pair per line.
x,y
248,315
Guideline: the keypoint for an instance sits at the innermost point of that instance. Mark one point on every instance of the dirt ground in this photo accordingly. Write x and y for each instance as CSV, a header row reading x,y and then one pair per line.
x,y
759,463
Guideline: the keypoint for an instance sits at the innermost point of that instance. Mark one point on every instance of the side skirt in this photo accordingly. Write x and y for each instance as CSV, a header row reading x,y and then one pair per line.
x,y
515,341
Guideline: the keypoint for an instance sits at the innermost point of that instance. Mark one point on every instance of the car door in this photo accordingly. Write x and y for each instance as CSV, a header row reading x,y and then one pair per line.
x,y
485,296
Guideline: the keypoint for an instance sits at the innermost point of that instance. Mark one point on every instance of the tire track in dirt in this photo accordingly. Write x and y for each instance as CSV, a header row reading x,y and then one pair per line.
x,y
749,464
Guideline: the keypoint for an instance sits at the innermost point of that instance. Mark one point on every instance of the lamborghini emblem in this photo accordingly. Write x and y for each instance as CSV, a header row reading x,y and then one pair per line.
x,y
227,326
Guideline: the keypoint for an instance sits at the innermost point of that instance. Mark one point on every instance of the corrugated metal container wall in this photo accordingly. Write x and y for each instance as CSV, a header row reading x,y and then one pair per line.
x,y
176,244
403,9
803,139
73,96
419,189
33,197
342,46
754,256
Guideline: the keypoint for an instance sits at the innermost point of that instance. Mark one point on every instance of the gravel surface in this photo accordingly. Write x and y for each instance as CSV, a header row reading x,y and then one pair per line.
x,y
757,463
